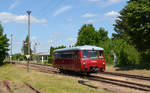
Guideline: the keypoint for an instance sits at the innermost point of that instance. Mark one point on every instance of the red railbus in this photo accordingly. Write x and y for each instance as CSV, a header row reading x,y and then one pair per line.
x,y
86,58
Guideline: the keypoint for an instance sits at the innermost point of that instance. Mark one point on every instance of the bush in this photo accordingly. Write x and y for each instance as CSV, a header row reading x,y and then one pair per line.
x,y
146,59
45,61
126,54
49,60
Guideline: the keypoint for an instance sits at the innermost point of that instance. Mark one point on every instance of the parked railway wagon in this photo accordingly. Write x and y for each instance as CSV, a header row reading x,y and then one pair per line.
x,y
89,59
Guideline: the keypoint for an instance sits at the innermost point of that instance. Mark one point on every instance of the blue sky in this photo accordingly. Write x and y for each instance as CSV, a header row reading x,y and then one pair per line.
x,y
56,22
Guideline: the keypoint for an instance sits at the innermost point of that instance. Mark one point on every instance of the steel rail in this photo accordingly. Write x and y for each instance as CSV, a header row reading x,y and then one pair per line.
x,y
127,75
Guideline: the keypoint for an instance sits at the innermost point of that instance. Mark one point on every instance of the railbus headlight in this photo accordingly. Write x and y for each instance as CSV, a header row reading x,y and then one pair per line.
x,y
83,63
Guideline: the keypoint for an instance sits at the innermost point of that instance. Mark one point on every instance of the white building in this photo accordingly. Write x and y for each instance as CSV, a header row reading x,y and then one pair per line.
x,y
43,56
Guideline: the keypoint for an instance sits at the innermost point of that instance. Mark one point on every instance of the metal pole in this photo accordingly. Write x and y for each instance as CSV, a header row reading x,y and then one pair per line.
x,y
35,52
11,49
29,12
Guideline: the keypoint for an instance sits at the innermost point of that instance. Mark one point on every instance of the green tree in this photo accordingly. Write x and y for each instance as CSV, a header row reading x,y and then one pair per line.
x,y
3,45
87,35
133,24
51,51
103,34
25,47
17,56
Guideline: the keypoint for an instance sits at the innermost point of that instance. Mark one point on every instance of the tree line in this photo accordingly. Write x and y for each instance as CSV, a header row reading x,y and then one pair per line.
x,y
3,45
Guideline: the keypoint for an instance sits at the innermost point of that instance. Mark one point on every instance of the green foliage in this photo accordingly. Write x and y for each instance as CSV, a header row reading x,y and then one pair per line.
x,y
146,59
87,35
25,48
46,62
102,34
17,56
133,24
3,45
126,54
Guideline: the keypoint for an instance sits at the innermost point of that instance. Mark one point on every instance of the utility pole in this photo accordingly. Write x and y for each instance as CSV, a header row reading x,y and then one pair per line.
x,y
28,65
11,48
35,57
22,51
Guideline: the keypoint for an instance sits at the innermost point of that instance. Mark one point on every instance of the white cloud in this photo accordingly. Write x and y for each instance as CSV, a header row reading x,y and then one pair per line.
x,y
69,19
72,39
14,4
88,15
33,38
114,1
61,10
6,17
55,34
94,0
91,21
106,2
112,13
110,2
51,41
45,25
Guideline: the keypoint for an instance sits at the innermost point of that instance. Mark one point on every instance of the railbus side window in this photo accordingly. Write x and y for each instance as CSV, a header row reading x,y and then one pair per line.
x,y
101,54
84,54
67,55
57,56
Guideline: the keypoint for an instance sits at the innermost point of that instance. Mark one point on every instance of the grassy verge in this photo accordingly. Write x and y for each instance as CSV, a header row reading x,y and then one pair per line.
x,y
47,83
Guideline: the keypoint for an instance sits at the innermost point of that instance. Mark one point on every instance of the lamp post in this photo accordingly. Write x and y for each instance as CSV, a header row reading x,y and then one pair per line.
x,y
28,57
11,49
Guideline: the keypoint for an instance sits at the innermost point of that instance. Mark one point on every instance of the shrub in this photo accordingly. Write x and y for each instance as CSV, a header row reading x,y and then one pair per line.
x,y
146,58
50,60
126,54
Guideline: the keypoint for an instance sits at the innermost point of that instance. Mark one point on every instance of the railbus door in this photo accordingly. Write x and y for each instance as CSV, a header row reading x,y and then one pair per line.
x,y
76,65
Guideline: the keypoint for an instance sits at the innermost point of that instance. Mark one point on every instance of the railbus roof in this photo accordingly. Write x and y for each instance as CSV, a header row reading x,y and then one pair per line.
x,y
85,47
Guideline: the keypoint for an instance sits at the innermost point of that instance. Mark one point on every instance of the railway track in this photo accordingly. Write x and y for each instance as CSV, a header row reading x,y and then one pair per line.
x,y
7,85
127,75
111,73
32,88
122,83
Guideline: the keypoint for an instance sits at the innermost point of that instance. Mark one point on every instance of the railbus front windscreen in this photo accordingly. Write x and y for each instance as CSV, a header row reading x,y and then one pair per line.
x,y
93,54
